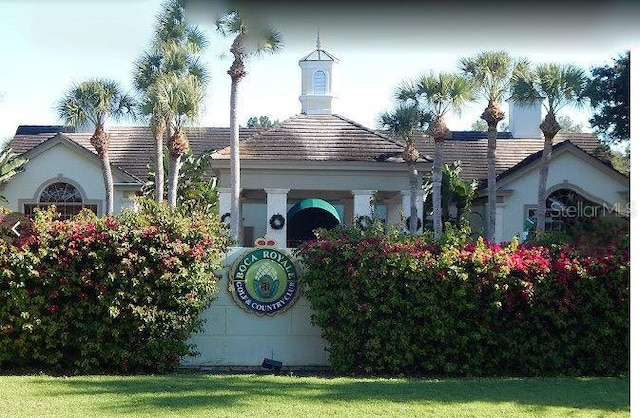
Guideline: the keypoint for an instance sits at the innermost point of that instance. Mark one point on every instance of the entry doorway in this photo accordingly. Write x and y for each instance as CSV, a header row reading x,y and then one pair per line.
x,y
306,216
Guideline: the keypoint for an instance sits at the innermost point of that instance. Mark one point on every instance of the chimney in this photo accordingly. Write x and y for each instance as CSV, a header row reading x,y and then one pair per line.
x,y
525,119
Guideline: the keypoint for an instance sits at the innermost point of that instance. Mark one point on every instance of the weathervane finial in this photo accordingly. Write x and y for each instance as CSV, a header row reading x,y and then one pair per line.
x,y
318,39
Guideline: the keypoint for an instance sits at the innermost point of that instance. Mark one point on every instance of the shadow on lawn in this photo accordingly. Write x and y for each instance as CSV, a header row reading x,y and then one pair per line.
x,y
202,391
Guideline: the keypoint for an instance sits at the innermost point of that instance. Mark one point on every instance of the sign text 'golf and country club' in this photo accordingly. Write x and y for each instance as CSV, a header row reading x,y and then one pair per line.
x,y
265,281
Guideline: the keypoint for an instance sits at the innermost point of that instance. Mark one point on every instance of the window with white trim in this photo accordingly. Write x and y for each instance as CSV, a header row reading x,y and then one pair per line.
x,y
64,196
566,207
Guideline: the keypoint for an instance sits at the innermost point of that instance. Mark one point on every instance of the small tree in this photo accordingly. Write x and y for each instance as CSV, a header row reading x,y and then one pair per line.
x,y
558,86
491,71
404,123
94,101
175,50
196,183
438,94
10,165
262,122
610,95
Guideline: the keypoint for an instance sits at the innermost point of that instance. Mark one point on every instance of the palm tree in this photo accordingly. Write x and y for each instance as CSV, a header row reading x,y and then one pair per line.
x,y
438,94
404,123
491,71
248,41
10,165
94,101
175,50
557,86
181,98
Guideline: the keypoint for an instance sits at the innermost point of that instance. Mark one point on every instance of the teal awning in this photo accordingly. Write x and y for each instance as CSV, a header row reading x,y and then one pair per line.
x,y
313,203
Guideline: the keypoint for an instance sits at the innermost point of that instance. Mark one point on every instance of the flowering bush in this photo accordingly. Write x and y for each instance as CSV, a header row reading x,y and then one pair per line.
x,y
118,294
393,303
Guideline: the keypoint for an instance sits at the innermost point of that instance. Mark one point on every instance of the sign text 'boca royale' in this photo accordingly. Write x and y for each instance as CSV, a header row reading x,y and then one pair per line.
x,y
265,281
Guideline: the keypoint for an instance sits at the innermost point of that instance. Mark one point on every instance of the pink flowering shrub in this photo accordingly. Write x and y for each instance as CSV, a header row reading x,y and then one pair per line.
x,y
114,294
389,303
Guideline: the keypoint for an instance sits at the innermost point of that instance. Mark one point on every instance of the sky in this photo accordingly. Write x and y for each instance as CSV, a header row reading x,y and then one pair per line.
x,y
49,44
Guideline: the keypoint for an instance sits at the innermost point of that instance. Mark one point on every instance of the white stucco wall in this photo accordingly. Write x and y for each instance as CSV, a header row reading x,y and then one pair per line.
x,y
233,337
62,162
567,170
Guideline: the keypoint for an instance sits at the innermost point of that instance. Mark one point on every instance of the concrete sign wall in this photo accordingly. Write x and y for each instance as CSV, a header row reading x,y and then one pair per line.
x,y
234,337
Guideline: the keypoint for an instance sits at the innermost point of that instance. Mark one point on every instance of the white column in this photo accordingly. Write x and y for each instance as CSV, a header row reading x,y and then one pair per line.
x,y
277,205
500,223
406,209
224,202
362,204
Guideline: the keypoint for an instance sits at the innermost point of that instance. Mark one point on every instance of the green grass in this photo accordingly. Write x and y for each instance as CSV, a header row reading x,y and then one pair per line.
x,y
205,395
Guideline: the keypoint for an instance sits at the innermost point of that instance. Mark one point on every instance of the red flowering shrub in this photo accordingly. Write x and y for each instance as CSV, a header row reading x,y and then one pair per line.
x,y
390,303
114,294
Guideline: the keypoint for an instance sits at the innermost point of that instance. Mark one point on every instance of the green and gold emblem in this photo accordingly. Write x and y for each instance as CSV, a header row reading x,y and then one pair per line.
x,y
264,281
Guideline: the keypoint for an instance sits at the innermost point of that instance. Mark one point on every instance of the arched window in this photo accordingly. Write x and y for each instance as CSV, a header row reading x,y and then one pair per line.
x,y
567,207
319,82
64,196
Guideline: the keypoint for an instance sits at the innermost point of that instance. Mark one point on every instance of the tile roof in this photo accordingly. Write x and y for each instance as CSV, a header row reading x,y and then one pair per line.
x,y
320,55
473,153
318,138
537,155
131,147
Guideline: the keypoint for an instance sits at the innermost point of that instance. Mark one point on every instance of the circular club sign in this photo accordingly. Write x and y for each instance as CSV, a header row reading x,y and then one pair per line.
x,y
264,281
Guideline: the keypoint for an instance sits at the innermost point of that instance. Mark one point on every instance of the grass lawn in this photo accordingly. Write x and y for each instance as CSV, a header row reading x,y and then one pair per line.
x,y
207,395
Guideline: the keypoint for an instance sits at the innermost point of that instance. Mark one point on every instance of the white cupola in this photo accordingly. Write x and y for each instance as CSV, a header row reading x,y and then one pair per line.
x,y
317,81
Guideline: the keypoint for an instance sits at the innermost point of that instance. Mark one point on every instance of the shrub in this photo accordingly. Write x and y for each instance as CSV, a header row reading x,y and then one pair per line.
x,y
114,294
389,303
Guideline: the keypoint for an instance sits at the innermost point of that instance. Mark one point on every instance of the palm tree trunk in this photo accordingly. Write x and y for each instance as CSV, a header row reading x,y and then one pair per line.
x,y
174,172
236,72
158,128
413,196
439,131
436,193
100,141
234,163
108,182
549,128
491,184
178,146
411,155
492,115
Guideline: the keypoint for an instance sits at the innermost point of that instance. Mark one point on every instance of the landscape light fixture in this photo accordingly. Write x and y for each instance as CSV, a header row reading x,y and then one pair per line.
x,y
271,364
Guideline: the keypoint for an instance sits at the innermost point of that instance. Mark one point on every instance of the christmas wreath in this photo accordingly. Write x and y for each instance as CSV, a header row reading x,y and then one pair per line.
x,y
276,221
224,217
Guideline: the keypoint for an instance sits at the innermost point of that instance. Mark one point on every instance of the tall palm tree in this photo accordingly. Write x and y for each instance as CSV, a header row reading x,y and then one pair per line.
x,y
492,72
175,49
94,101
438,94
181,98
557,86
248,41
405,122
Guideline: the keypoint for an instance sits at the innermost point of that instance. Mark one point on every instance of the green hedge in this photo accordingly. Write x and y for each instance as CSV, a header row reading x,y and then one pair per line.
x,y
389,303
114,294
